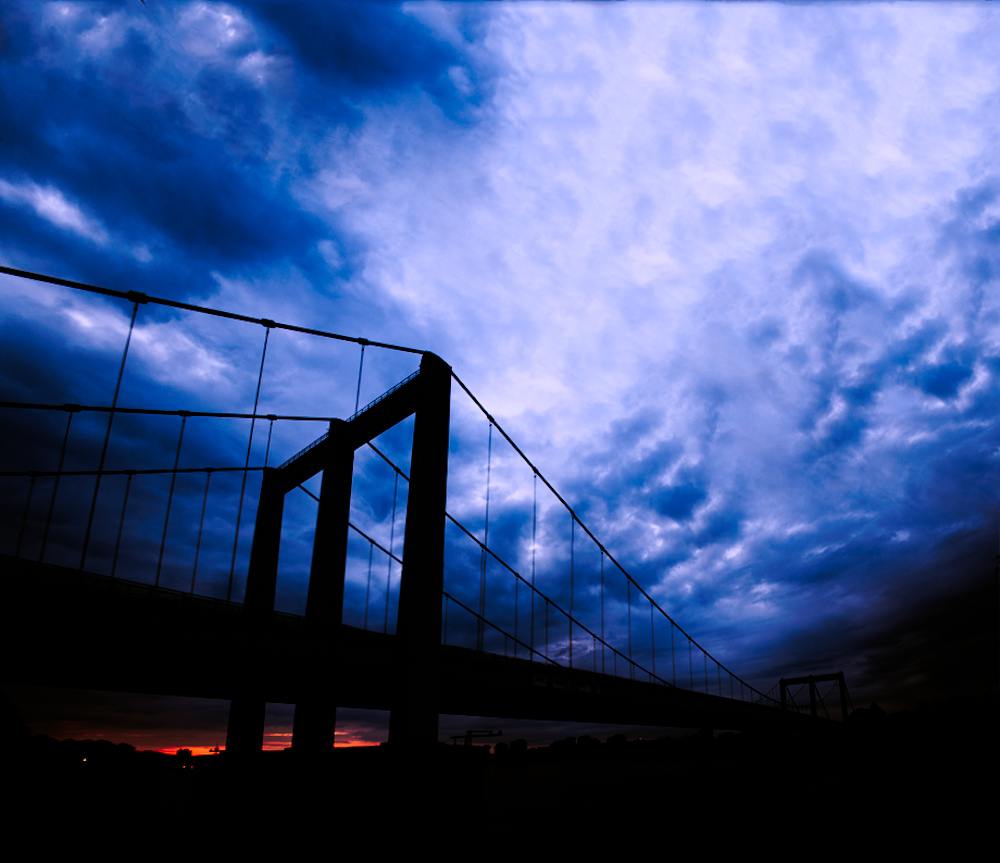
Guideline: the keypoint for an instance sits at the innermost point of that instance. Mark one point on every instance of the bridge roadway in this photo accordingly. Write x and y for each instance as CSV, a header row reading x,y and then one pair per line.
x,y
69,629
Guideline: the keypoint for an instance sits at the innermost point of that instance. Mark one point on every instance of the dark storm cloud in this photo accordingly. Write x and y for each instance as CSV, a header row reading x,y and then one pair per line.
x,y
113,135
180,173
904,646
362,47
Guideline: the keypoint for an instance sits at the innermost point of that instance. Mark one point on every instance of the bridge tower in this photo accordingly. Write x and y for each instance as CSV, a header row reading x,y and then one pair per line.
x,y
812,680
413,720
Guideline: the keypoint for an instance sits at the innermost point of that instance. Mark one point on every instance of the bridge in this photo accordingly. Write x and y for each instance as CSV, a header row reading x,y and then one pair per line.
x,y
558,644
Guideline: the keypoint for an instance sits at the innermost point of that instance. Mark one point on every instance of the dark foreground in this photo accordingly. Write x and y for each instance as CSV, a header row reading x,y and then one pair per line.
x,y
893,778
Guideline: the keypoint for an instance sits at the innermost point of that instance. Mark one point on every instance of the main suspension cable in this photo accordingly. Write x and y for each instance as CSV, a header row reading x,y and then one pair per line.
x,y
72,408
137,297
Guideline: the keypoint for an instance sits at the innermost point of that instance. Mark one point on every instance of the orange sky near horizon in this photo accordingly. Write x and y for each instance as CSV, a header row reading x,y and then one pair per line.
x,y
274,741
269,745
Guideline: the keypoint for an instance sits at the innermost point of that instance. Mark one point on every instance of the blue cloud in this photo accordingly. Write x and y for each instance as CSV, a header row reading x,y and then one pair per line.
x,y
679,501
943,380
361,46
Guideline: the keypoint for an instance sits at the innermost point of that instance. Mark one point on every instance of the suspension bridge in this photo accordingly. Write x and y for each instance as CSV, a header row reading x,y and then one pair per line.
x,y
472,629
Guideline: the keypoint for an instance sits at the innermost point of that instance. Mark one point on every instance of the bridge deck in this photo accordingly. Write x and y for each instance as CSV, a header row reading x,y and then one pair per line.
x,y
65,628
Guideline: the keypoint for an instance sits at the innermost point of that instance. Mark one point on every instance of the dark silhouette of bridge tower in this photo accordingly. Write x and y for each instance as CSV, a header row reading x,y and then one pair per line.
x,y
811,680
413,723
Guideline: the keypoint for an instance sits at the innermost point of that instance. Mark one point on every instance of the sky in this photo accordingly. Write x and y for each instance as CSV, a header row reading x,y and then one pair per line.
x,y
727,273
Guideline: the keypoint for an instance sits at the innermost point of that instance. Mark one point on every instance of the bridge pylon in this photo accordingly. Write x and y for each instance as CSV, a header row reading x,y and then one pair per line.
x,y
413,722
413,719
245,730
316,712
812,680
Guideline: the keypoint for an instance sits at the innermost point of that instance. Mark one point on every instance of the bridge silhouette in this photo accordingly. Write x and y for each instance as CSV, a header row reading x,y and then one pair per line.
x,y
447,650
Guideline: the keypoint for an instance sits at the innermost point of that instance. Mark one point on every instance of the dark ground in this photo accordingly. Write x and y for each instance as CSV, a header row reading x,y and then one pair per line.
x,y
888,777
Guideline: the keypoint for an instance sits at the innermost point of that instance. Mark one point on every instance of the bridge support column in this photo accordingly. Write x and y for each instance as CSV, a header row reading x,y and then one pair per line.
x,y
245,732
413,719
316,713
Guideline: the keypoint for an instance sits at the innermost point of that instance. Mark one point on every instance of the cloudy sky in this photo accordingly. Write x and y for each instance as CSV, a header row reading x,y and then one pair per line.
x,y
727,273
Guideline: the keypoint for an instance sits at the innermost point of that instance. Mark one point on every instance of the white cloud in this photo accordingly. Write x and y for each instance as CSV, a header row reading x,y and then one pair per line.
x,y
49,203
142,254
213,29
330,254
261,68
173,357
